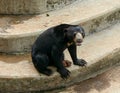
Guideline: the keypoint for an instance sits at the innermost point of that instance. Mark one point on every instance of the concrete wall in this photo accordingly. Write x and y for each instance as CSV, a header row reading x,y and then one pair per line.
x,y
31,6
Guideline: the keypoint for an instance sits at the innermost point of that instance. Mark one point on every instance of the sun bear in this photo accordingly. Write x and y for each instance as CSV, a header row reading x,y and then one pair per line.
x,y
49,46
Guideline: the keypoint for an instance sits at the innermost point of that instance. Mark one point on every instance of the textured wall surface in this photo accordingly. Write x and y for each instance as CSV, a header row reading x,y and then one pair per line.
x,y
31,6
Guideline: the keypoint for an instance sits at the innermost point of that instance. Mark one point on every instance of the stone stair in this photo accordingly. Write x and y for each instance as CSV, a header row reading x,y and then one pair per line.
x,y
101,47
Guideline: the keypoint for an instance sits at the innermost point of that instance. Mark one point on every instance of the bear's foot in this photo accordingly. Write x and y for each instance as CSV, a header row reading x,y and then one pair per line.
x,y
66,63
47,72
80,62
64,73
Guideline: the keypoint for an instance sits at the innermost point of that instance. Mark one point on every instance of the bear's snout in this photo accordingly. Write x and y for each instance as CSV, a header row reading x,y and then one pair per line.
x,y
78,39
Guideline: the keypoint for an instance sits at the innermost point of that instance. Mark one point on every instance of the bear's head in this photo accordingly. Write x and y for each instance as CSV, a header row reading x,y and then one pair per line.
x,y
74,34
70,33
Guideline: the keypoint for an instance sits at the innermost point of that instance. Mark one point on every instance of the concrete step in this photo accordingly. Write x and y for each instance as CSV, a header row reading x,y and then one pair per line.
x,y
17,33
101,50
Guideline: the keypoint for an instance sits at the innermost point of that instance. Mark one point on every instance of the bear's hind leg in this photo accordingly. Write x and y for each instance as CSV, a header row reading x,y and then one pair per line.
x,y
41,62
57,56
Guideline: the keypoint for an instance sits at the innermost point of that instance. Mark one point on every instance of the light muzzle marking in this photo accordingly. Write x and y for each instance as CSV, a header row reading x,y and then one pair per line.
x,y
78,39
78,36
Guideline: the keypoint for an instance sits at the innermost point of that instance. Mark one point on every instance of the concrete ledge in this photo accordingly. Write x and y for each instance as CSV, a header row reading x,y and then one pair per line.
x,y
31,6
42,83
20,32
101,50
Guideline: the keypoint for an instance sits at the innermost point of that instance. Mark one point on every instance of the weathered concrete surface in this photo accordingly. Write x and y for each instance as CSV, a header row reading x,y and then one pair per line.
x,y
31,6
108,82
101,50
17,33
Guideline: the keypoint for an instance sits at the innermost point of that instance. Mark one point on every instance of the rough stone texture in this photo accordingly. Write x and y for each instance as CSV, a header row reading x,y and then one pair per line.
x,y
101,50
108,82
17,33
31,6
14,45
54,4
101,22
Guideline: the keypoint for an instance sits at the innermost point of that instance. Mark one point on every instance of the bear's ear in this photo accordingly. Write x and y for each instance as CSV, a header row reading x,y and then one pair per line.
x,y
65,30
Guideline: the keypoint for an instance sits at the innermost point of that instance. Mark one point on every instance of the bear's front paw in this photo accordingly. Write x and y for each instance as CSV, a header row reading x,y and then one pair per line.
x,y
64,73
80,62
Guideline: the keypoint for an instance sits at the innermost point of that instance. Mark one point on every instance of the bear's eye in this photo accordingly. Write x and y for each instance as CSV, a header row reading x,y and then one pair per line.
x,y
75,34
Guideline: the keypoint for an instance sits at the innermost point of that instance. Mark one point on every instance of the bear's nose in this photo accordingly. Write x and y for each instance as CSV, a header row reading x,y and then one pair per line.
x,y
79,40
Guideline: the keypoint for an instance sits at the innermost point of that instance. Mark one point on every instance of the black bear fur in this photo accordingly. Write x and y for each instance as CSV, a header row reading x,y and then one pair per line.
x,y
49,46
